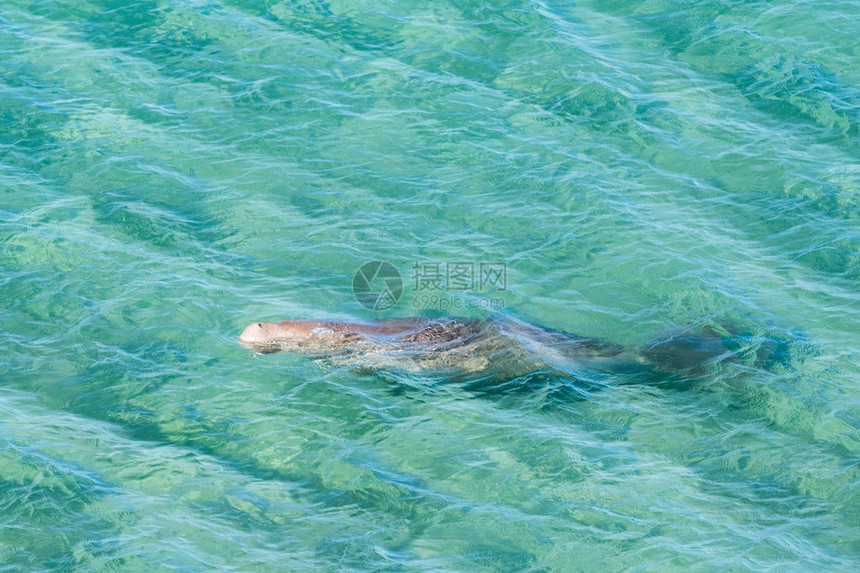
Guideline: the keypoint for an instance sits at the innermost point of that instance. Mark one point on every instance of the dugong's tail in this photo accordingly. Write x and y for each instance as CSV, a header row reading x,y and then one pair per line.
x,y
693,350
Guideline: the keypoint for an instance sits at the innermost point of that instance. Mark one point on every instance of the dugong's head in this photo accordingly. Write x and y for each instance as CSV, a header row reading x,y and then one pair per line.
x,y
308,336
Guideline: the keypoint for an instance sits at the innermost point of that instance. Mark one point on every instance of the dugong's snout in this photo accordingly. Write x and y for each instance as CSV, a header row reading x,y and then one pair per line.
x,y
248,334
258,336
265,337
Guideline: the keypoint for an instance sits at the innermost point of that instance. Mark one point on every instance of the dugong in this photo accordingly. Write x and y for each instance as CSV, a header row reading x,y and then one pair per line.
x,y
493,345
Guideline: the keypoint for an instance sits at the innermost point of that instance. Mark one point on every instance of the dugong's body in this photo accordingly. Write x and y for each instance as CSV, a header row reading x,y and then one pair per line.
x,y
472,345
411,343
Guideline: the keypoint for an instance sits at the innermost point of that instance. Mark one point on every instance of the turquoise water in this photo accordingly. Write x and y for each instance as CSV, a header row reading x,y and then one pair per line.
x,y
171,171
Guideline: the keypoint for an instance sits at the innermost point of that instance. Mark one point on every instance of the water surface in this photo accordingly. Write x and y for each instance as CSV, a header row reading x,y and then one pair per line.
x,y
170,171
